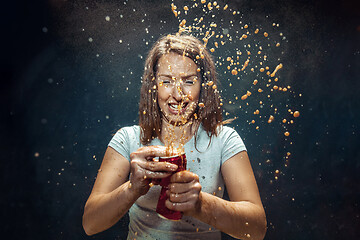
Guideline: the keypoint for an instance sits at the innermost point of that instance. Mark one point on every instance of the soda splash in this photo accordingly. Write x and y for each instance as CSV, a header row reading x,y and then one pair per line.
x,y
244,55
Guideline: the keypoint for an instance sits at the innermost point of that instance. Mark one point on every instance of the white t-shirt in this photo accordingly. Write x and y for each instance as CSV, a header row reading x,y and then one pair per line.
x,y
205,160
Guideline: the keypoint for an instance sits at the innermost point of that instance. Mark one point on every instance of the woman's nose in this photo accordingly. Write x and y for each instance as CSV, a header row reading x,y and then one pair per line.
x,y
177,92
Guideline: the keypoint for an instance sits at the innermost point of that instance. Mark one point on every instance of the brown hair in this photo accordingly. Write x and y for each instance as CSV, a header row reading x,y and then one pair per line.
x,y
149,111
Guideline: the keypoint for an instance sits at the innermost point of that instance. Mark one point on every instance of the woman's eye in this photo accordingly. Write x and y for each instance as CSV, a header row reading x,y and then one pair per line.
x,y
189,82
165,81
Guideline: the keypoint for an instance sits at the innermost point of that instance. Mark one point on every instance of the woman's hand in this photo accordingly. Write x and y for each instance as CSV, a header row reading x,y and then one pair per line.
x,y
145,169
184,192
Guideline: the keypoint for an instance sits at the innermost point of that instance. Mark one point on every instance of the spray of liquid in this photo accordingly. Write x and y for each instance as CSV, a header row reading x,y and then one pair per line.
x,y
249,58
175,142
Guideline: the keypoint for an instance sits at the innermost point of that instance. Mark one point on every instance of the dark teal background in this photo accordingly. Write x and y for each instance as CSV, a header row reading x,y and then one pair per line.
x,y
63,102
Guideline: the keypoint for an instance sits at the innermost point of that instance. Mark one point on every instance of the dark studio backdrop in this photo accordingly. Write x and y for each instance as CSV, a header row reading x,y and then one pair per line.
x,y
70,79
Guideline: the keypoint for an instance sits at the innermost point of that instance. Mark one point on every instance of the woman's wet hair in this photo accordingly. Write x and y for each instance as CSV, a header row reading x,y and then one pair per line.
x,y
210,116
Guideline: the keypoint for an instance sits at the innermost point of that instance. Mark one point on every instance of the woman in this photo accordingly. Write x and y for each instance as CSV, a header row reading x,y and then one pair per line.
x,y
179,108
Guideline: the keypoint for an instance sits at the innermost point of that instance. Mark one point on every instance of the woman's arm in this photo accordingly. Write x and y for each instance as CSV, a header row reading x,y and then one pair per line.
x,y
112,195
241,217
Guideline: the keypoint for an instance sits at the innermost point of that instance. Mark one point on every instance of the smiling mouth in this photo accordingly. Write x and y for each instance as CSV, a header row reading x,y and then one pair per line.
x,y
177,108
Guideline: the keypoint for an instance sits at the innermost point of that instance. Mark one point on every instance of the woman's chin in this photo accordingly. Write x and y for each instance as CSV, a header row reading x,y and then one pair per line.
x,y
177,120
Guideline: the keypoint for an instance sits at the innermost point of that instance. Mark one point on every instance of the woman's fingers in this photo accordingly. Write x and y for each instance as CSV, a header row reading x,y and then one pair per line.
x,y
145,169
184,192
182,207
151,169
150,151
155,166
144,159
184,177
184,181
184,202
184,187
182,197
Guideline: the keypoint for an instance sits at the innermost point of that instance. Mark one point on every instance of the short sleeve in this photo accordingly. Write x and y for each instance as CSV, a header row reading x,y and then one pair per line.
x,y
231,143
120,143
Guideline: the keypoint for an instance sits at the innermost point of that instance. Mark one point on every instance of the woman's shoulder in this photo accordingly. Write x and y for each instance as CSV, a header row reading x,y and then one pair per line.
x,y
227,134
223,130
133,128
129,131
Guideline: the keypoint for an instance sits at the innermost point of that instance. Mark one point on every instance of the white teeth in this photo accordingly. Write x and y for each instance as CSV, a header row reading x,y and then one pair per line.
x,y
176,106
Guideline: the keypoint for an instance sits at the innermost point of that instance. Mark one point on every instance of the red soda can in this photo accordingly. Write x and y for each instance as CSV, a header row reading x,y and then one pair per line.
x,y
161,209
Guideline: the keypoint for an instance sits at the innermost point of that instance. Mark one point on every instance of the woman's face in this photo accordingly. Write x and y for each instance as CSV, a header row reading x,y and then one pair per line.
x,y
178,87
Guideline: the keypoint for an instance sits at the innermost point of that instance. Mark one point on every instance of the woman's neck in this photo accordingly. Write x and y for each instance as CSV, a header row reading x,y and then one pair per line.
x,y
177,136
